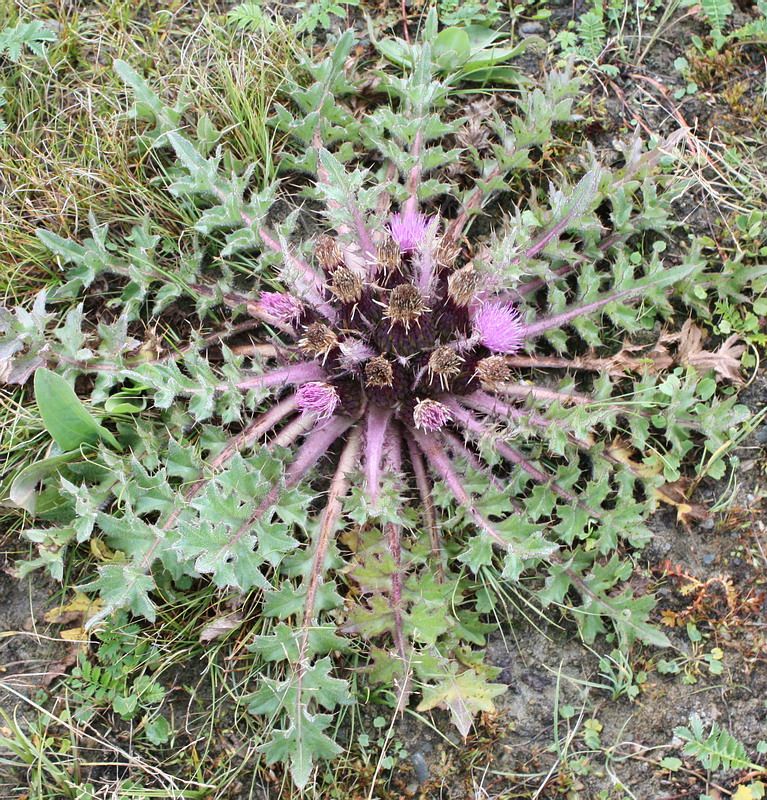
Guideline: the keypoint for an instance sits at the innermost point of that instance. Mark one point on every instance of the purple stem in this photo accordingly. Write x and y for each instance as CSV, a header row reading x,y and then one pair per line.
x,y
533,285
460,449
490,405
471,423
427,501
539,393
537,328
330,515
339,486
365,240
310,452
437,458
295,373
254,430
538,283
414,178
393,531
480,401
375,432
553,233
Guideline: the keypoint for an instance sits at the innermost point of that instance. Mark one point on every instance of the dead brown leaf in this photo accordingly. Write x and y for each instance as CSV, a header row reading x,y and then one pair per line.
x,y
675,495
220,626
725,361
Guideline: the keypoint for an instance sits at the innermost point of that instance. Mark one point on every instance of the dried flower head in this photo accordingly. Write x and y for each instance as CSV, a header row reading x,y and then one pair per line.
x,y
388,254
318,339
493,370
405,305
462,285
346,285
328,253
379,372
447,253
444,363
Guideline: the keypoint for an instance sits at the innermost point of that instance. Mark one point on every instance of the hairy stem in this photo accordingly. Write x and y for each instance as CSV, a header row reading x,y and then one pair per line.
x,y
295,373
393,531
523,390
339,487
558,321
310,452
375,432
414,178
438,459
539,283
427,503
480,401
467,420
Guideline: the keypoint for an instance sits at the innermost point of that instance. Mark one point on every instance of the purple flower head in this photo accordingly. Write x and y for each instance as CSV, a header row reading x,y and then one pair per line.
x,y
500,327
430,415
318,397
408,229
283,307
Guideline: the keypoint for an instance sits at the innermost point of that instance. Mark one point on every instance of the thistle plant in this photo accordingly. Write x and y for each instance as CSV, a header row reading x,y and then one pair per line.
x,y
400,424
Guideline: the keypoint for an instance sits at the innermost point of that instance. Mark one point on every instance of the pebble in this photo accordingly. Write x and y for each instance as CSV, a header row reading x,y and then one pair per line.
x,y
707,524
420,766
530,28
708,558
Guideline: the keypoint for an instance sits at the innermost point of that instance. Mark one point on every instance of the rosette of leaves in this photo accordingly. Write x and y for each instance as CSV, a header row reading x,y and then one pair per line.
x,y
416,417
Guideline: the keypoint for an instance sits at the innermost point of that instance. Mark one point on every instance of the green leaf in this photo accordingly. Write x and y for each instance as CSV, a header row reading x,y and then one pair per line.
x,y
305,684
452,48
158,730
463,694
283,643
125,706
301,743
719,750
64,415
22,491
717,12
123,586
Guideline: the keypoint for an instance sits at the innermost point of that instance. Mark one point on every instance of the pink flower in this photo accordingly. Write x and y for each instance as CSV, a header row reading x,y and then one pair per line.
x,y
318,397
430,415
283,307
500,327
408,229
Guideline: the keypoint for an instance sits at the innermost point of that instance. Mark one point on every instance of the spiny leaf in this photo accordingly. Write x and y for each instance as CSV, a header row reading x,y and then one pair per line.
x,y
464,694
300,744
